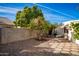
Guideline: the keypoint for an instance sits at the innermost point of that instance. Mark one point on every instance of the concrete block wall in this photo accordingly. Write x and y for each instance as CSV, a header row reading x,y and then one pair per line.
x,y
16,34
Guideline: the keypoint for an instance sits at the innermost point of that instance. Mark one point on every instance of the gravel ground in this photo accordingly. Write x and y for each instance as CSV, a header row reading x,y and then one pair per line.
x,y
32,47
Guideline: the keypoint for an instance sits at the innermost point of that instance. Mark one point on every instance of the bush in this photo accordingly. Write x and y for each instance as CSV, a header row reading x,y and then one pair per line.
x,y
75,27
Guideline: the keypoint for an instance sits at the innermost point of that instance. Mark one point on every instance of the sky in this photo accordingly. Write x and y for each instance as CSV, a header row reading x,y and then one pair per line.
x,y
53,12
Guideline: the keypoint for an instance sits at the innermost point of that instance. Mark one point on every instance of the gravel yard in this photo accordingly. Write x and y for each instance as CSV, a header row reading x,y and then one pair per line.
x,y
32,47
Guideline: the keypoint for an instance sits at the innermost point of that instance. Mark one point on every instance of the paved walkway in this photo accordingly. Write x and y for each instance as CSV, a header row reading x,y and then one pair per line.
x,y
32,47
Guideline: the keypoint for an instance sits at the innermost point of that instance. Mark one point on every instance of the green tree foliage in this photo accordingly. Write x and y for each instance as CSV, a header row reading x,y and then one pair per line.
x,y
16,22
24,17
38,23
75,27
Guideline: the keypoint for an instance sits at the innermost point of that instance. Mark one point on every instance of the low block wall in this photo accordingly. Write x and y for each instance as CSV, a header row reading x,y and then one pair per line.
x,y
15,34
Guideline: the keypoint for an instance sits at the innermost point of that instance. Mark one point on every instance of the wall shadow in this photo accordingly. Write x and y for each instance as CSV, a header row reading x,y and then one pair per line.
x,y
18,45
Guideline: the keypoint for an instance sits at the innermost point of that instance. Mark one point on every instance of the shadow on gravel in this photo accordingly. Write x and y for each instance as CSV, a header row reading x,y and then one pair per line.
x,y
33,52
27,48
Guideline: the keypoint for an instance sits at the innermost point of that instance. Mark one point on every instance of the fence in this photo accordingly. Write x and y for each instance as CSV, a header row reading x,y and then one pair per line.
x,y
16,34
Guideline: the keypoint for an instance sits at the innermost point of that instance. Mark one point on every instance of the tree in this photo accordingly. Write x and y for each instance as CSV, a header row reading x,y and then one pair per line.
x,y
24,17
37,23
16,22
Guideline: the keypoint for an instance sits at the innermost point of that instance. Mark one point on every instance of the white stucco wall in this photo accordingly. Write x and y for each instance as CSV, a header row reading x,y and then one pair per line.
x,y
69,35
60,31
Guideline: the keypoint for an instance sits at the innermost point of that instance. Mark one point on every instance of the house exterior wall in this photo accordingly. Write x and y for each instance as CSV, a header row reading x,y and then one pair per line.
x,y
60,31
6,26
13,34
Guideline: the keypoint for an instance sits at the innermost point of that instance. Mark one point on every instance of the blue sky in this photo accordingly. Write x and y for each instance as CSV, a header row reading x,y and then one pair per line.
x,y
53,12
